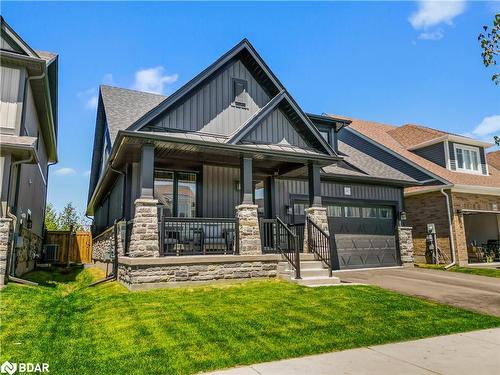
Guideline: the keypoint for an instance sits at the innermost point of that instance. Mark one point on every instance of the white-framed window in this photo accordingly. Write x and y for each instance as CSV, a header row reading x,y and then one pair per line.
x,y
467,159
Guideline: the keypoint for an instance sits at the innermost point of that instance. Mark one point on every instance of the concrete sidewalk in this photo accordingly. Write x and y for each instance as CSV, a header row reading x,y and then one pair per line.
x,y
475,353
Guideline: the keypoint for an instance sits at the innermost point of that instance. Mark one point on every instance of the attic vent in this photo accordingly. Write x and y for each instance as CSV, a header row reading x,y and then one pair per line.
x,y
240,93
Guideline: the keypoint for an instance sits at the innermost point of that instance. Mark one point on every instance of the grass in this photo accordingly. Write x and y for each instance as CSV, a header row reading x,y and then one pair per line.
x,y
490,272
107,330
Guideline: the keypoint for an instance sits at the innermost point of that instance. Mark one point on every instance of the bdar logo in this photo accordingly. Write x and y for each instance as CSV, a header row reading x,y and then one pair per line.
x,y
8,367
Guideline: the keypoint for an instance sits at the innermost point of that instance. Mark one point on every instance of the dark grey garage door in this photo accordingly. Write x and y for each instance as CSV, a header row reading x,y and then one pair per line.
x,y
364,235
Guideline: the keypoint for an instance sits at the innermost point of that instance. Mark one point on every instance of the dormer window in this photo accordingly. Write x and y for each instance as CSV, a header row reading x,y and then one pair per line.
x,y
467,159
240,93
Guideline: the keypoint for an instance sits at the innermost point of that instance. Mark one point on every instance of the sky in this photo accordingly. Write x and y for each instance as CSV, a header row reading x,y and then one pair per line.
x,y
394,62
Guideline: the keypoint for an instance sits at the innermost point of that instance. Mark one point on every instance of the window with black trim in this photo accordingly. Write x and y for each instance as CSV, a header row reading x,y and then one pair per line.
x,y
240,93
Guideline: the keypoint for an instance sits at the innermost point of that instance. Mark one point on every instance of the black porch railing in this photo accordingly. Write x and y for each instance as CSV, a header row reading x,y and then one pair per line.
x,y
298,230
320,244
198,236
277,237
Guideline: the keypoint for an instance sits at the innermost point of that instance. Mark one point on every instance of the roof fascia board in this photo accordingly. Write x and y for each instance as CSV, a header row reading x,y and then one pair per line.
x,y
393,153
16,38
429,142
380,180
198,79
451,138
468,189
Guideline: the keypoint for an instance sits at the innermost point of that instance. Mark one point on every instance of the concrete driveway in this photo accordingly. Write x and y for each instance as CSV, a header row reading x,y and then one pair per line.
x,y
471,292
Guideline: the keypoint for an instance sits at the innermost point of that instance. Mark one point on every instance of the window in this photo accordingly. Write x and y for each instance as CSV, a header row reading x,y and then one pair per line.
x,y
176,193
467,158
385,213
299,209
240,93
351,211
370,212
334,211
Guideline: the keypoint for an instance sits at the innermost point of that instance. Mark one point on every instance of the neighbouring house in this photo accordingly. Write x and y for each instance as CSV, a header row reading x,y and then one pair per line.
x,y
28,143
227,177
464,207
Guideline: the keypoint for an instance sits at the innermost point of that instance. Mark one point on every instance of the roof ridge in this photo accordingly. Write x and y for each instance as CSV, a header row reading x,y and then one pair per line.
x,y
131,90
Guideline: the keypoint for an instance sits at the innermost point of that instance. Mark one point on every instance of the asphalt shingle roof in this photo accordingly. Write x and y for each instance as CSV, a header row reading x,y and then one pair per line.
x,y
123,107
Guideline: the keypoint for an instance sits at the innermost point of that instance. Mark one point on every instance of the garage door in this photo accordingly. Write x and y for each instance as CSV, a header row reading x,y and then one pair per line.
x,y
364,235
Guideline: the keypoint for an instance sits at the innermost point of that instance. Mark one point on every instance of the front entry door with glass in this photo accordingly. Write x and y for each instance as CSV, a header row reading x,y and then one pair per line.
x,y
176,193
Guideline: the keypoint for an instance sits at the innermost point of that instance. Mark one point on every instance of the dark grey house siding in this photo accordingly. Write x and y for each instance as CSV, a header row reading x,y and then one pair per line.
x,y
434,153
220,194
482,156
368,148
274,129
110,208
453,162
285,189
211,109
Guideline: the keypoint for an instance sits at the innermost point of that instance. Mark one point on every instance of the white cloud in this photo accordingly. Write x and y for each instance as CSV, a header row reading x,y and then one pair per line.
x,y
433,13
489,127
65,172
86,173
431,35
152,80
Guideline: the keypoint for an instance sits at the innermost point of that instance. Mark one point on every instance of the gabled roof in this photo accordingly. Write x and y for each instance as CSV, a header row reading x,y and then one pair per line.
x,y
243,48
13,38
382,135
413,137
282,97
123,107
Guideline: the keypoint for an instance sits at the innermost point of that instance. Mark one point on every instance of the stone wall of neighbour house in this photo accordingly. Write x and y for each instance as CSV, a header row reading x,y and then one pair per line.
x,y
318,217
137,275
5,237
30,247
103,244
406,246
423,209
144,240
468,201
249,232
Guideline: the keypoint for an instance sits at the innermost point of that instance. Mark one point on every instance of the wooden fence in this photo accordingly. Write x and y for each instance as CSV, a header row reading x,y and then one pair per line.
x,y
64,247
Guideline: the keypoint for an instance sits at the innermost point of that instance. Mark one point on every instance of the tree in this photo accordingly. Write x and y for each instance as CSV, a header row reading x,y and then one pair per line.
x,y
69,218
51,218
490,45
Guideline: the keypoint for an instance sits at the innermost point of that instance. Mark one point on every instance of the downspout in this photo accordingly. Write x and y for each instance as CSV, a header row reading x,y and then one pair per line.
x,y
452,241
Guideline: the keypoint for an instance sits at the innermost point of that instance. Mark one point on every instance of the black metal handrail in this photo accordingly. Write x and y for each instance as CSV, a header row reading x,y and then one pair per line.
x,y
276,237
198,236
318,243
298,229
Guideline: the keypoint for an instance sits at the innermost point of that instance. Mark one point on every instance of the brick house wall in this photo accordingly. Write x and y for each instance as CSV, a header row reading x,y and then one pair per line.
x,y
430,207
425,209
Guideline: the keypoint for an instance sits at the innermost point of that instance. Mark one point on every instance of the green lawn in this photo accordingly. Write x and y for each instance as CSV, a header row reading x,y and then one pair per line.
x,y
490,272
108,330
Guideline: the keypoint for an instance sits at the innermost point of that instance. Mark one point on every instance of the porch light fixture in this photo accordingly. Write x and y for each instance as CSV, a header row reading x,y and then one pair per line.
x,y
402,215
237,185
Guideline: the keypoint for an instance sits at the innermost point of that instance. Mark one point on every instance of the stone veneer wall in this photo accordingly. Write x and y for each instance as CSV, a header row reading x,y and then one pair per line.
x,y
248,229
319,217
144,238
25,254
209,268
102,244
406,246
5,234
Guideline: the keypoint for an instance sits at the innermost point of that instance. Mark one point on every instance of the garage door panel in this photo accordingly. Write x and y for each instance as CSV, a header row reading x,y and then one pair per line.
x,y
363,251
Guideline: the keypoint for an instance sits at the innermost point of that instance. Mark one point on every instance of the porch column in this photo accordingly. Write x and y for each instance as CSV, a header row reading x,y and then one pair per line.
x,y
144,237
405,243
316,212
246,212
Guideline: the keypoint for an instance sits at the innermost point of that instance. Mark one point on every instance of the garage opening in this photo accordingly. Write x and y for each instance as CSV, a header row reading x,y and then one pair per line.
x,y
482,233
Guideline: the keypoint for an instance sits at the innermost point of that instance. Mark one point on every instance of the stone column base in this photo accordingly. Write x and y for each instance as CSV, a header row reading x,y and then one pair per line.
x,y
405,240
249,231
318,216
5,238
144,237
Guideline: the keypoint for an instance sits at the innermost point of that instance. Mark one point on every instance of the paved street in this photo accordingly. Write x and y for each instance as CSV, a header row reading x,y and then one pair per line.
x,y
475,352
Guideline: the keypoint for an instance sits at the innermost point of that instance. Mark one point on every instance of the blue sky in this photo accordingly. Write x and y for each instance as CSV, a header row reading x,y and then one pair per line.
x,y
393,62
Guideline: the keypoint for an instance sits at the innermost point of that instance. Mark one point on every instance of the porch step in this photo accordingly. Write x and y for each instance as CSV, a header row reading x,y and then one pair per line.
x,y
317,281
312,272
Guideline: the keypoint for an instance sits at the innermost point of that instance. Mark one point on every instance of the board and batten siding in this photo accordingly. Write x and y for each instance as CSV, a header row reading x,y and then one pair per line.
x,y
11,100
220,195
434,153
284,189
274,129
210,109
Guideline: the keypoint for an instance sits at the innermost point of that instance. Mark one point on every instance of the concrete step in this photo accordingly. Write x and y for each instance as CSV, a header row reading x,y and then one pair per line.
x,y
314,272
317,281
